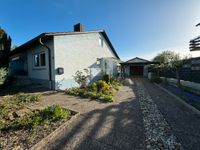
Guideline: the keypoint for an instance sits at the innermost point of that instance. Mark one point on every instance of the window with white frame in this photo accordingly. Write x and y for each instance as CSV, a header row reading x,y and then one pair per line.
x,y
100,42
39,60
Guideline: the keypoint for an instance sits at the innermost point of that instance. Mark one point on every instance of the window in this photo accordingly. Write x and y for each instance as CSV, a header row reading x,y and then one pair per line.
x,y
42,59
39,60
100,42
36,60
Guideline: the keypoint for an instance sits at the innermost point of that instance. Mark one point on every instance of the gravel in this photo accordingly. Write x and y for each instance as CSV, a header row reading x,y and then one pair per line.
x,y
158,132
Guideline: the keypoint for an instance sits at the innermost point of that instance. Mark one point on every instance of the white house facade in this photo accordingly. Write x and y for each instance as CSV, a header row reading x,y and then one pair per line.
x,y
52,59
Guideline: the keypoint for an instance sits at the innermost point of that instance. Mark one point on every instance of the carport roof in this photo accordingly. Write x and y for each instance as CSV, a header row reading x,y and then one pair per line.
x,y
138,60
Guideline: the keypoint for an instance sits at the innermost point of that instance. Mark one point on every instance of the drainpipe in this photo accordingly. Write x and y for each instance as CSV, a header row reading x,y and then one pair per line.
x,y
49,58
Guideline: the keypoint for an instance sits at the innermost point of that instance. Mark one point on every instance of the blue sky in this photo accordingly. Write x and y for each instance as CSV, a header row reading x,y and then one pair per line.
x,y
135,27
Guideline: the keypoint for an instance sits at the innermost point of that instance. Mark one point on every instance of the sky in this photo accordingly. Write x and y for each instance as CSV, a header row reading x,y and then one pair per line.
x,y
136,28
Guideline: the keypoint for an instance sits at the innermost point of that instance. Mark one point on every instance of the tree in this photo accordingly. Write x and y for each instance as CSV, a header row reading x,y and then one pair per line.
x,y
176,64
5,41
163,58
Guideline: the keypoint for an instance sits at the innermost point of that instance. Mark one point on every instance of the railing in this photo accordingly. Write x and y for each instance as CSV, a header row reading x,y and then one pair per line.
x,y
195,44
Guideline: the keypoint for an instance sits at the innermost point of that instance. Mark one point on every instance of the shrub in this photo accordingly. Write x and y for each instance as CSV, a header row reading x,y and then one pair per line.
x,y
106,78
81,77
72,91
102,86
108,98
26,98
54,112
96,90
47,115
3,75
92,87
155,79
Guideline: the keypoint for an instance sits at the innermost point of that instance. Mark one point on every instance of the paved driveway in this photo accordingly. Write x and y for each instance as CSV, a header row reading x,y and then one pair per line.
x,y
142,117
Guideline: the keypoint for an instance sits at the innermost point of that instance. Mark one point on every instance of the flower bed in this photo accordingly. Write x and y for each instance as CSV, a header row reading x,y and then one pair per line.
x,y
21,130
96,90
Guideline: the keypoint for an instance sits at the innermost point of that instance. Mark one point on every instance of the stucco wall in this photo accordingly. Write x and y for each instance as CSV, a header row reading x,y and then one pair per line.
x,y
77,52
40,73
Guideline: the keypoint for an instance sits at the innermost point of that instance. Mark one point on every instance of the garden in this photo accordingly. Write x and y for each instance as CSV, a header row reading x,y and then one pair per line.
x,y
103,90
22,127
97,90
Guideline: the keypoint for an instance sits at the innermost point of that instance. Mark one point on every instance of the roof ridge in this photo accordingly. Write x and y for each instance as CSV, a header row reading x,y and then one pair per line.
x,y
137,58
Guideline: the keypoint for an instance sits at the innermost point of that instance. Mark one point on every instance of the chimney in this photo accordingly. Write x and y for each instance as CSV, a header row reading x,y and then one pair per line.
x,y
78,27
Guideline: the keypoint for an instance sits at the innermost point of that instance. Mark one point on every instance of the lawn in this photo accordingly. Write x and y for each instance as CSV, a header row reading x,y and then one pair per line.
x,y
21,127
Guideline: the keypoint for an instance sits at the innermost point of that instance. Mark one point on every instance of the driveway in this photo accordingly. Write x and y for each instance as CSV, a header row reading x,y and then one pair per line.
x,y
142,117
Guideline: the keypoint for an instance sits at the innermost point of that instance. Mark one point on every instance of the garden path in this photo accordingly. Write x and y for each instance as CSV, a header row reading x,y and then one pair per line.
x,y
142,117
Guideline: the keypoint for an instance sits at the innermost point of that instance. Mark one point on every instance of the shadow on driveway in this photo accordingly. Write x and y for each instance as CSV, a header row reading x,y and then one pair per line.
x,y
116,126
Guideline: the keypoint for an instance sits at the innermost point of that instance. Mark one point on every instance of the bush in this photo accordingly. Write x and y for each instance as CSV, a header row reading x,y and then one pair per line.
x,y
81,77
155,80
72,91
96,90
47,115
106,78
3,75
54,112
108,98
26,98
102,86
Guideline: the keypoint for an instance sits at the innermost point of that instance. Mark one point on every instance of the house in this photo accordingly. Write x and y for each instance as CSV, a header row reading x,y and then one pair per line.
x,y
51,59
135,67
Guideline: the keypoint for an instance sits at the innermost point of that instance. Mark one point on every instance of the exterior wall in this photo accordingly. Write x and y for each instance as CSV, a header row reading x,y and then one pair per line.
x,y
40,75
18,65
145,72
77,52
126,71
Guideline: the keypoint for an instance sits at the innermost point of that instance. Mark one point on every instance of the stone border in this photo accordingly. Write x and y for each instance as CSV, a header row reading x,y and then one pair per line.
x,y
40,145
196,111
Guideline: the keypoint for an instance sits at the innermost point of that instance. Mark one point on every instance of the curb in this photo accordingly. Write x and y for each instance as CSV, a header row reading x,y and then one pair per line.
x,y
40,145
196,111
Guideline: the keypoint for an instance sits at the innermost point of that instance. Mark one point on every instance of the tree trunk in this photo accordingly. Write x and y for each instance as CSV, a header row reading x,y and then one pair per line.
x,y
178,77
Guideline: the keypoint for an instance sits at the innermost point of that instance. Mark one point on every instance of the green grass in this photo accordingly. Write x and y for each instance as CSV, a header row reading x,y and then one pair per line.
x,y
41,117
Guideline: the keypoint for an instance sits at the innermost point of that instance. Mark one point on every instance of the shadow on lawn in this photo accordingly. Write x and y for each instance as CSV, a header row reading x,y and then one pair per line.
x,y
117,126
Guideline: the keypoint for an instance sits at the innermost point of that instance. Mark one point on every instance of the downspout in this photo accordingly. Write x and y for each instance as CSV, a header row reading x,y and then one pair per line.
x,y
49,58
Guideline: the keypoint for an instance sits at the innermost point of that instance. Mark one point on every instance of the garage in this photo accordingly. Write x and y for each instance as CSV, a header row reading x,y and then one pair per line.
x,y
136,70
135,67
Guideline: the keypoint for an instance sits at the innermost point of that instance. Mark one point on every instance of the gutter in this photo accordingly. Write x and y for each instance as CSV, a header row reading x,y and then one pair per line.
x,y
49,58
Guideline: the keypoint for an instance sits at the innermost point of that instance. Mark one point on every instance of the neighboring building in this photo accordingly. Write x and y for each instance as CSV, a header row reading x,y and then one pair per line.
x,y
135,67
51,59
195,44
